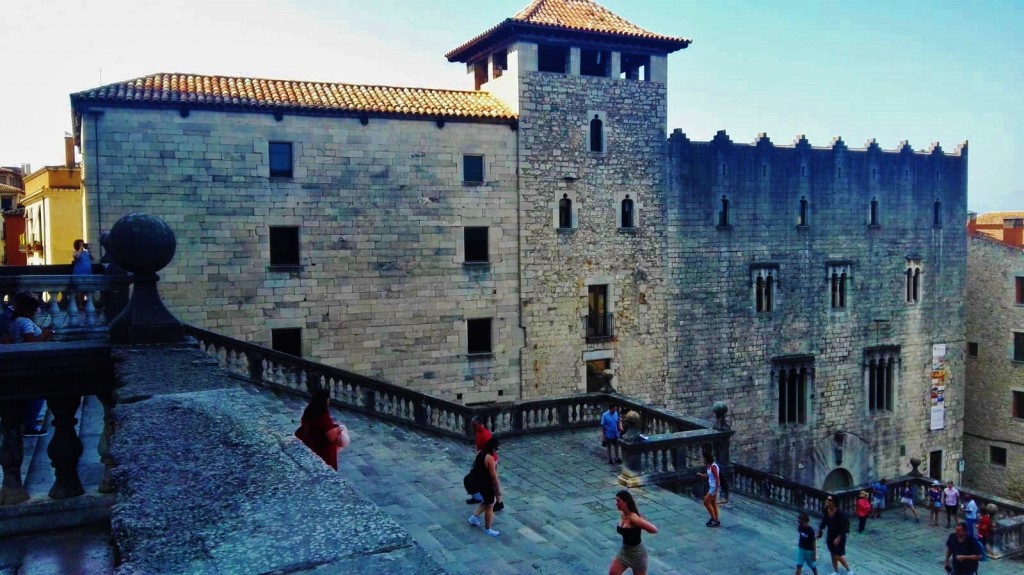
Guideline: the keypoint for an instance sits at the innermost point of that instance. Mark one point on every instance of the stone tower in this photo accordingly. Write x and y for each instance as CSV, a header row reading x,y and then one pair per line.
x,y
590,90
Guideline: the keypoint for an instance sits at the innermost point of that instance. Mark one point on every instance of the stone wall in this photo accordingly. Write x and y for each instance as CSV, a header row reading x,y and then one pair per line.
x,y
382,288
558,265
993,376
721,348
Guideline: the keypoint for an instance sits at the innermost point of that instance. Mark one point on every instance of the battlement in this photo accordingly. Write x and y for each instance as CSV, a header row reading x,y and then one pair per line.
x,y
800,142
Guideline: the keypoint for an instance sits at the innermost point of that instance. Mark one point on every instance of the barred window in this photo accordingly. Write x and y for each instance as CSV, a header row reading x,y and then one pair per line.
x,y
881,373
794,377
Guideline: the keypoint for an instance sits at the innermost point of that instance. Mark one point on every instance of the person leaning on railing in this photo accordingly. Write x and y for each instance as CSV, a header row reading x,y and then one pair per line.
x,y
23,329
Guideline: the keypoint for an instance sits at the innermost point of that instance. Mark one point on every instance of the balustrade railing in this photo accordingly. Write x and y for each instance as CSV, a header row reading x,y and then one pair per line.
x,y
78,307
673,436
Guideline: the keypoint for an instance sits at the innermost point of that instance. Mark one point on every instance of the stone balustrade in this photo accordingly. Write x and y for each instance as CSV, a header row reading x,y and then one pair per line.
x,y
78,307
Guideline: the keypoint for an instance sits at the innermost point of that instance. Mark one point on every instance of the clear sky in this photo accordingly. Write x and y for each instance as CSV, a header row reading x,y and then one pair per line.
x,y
893,70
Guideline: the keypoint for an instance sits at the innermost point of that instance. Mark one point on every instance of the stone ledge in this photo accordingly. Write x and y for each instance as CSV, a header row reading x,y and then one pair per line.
x,y
206,484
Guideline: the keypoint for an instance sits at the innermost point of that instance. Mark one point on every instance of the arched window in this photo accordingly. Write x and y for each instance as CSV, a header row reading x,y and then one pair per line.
x,y
917,284
627,212
937,213
910,283
596,134
723,216
802,218
565,212
873,216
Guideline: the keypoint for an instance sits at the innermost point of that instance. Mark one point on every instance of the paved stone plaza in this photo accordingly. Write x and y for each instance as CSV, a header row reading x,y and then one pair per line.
x,y
559,516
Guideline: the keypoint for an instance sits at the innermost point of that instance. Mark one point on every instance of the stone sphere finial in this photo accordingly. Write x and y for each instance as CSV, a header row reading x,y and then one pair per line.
x,y
141,243
915,462
720,409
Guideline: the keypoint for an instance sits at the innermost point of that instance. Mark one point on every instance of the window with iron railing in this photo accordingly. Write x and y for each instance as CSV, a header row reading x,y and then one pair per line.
x,y
599,324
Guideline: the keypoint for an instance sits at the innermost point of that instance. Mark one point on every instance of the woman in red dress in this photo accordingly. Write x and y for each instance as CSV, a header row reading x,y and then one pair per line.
x,y
318,431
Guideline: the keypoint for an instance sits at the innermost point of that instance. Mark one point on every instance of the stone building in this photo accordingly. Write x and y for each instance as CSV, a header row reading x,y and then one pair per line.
x,y
540,235
994,416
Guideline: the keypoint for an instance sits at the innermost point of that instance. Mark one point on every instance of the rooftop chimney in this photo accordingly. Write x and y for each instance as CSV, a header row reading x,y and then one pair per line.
x,y
69,151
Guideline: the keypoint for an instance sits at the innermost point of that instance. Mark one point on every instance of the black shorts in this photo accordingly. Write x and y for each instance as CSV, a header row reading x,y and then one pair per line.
x,y
488,495
836,549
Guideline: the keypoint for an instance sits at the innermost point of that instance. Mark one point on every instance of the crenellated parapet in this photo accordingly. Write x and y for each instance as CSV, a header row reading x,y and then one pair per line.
x,y
840,185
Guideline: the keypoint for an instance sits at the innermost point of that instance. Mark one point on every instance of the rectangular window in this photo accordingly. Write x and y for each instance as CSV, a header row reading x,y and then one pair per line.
x,y
972,349
280,159
997,455
794,378
765,281
476,245
478,336
1018,346
596,380
838,280
284,245
881,369
1013,223
1018,289
287,340
552,58
1018,404
472,169
599,318
595,63
935,465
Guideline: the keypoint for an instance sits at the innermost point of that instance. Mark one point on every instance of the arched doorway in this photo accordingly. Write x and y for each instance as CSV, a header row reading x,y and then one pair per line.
x,y
837,480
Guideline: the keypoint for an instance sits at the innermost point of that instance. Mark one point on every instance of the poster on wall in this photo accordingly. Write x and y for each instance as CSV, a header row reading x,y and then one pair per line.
x,y
940,377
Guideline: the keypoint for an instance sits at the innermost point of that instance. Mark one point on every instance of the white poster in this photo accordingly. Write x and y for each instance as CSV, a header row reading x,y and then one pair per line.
x,y
940,377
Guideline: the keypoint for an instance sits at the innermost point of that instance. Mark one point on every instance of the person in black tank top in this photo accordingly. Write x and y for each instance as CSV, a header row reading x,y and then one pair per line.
x,y
632,555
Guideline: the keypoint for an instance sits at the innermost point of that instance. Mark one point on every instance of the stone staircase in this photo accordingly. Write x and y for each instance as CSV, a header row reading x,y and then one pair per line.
x,y
43,535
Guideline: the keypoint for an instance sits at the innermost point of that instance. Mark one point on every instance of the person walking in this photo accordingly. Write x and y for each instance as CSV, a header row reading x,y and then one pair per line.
x,y
714,484
950,500
985,530
485,468
481,435
971,515
319,431
863,511
611,429
632,555
907,501
879,495
962,553
935,502
806,545
837,526
22,328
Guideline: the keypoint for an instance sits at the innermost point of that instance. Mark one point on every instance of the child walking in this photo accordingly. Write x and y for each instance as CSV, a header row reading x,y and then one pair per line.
x,y
806,546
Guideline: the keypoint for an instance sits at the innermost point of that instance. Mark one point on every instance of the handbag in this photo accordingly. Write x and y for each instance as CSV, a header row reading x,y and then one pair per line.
x,y
343,437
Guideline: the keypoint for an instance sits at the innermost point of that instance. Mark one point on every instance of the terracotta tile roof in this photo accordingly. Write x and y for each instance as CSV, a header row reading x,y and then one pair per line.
x,y
574,15
991,218
5,189
223,92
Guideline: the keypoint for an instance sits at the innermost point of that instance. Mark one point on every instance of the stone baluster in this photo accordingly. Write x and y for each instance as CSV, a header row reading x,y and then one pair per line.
x,y
72,312
65,447
107,400
90,309
53,309
12,452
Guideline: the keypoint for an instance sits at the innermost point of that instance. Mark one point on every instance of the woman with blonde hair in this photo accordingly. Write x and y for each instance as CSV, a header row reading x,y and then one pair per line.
x,y
632,555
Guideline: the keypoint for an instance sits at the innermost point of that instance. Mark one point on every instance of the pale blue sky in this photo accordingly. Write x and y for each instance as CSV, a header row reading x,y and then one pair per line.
x,y
893,70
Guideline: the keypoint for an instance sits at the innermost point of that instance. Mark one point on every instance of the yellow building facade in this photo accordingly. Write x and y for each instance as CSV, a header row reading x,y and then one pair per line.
x,y
54,214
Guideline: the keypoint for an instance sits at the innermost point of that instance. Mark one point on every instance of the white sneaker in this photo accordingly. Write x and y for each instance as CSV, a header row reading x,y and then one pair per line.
x,y
492,532
474,520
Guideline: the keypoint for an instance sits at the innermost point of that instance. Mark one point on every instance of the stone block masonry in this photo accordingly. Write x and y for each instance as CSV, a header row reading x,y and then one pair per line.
x,y
993,431
803,213
381,287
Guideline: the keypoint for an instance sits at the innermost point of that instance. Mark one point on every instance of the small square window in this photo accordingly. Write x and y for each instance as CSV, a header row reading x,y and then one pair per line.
x,y
972,349
280,159
473,169
1018,404
478,336
287,340
1018,346
284,245
476,245
552,58
997,455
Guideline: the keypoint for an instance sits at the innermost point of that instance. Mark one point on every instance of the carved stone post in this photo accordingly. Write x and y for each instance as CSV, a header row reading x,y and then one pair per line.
x,y
632,459
143,245
65,448
12,452
915,463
